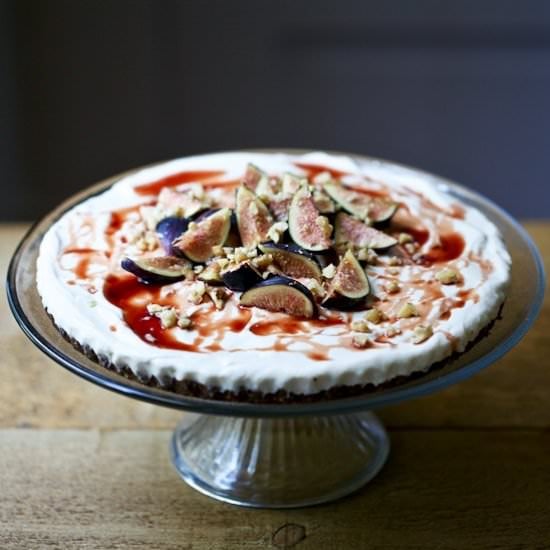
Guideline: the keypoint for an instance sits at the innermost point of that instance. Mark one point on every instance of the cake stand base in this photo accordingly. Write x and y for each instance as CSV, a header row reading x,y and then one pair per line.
x,y
279,462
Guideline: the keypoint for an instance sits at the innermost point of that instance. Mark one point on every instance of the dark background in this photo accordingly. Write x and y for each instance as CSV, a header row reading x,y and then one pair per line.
x,y
91,88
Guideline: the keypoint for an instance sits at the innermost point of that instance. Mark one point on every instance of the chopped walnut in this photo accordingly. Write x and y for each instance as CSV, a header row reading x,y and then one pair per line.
x,y
422,333
263,261
448,276
184,322
329,271
411,248
360,326
374,315
276,231
147,242
198,269
392,331
218,296
168,316
405,238
218,250
198,289
392,286
360,340
211,273
407,310
315,288
367,255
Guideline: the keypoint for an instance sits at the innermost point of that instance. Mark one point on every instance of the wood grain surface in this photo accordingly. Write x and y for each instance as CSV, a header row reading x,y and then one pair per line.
x,y
81,467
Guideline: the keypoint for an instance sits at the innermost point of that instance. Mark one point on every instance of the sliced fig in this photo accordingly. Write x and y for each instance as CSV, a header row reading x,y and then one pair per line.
x,y
279,208
323,202
307,227
293,260
252,176
291,183
160,270
353,232
241,277
169,229
362,206
201,237
349,285
185,202
267,188
382,210
281,294
253,217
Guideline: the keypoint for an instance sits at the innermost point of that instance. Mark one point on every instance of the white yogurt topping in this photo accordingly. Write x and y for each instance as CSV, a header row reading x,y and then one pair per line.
x,y
79,307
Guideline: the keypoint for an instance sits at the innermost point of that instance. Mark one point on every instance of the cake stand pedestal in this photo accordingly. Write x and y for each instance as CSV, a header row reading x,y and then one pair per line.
x,y
279,462
295,454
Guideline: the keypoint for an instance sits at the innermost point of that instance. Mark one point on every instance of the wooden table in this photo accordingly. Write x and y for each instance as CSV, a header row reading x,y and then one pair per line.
x,y
81,467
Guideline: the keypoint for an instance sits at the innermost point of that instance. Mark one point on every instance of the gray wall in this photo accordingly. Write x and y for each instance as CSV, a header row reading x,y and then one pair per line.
x,y
90,88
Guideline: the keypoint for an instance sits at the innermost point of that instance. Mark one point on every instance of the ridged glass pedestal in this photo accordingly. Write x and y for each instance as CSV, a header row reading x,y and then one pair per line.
x,y
279,462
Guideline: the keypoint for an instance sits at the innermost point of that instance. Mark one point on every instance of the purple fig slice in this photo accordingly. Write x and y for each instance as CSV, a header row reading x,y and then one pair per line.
x,y
241,277
252,176
293,260
353,232
253,217
281,294
200,238
362,206
349,285
169,229
160,270
306,226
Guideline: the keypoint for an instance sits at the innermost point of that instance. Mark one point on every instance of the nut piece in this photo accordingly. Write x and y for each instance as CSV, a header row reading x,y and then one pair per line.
x,y
276,231
392,331
314,286
361,340
407,310
323,223
360,326
405,238
392,286
198,290
374,315
329,271
448,276
218,296
421,333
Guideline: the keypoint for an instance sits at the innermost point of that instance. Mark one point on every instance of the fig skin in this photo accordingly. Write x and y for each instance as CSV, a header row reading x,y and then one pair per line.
x,y
293,260
241,278
272,294
169,229
198,241
157,271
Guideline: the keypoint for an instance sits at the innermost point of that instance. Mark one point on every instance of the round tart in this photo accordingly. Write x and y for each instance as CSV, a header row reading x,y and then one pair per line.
x,y
238,274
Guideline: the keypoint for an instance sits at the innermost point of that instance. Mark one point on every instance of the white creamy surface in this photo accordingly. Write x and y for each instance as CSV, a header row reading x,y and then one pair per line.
x,y
89,318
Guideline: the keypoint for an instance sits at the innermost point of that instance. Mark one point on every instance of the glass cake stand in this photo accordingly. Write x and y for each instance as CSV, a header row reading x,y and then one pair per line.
x,y
285,455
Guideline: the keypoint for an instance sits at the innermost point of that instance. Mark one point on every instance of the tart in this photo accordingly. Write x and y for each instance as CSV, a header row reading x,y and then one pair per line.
x,y
253,275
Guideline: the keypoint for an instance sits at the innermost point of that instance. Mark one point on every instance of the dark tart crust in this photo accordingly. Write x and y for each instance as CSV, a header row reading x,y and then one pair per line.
x,y
195,389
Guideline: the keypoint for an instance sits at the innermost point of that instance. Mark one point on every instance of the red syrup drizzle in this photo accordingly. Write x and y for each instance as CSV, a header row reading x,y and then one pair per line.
x,y
155,187
132,297
313,170
451,247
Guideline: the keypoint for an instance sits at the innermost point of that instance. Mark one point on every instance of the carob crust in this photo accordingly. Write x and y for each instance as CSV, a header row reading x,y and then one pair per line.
x,y
196,389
